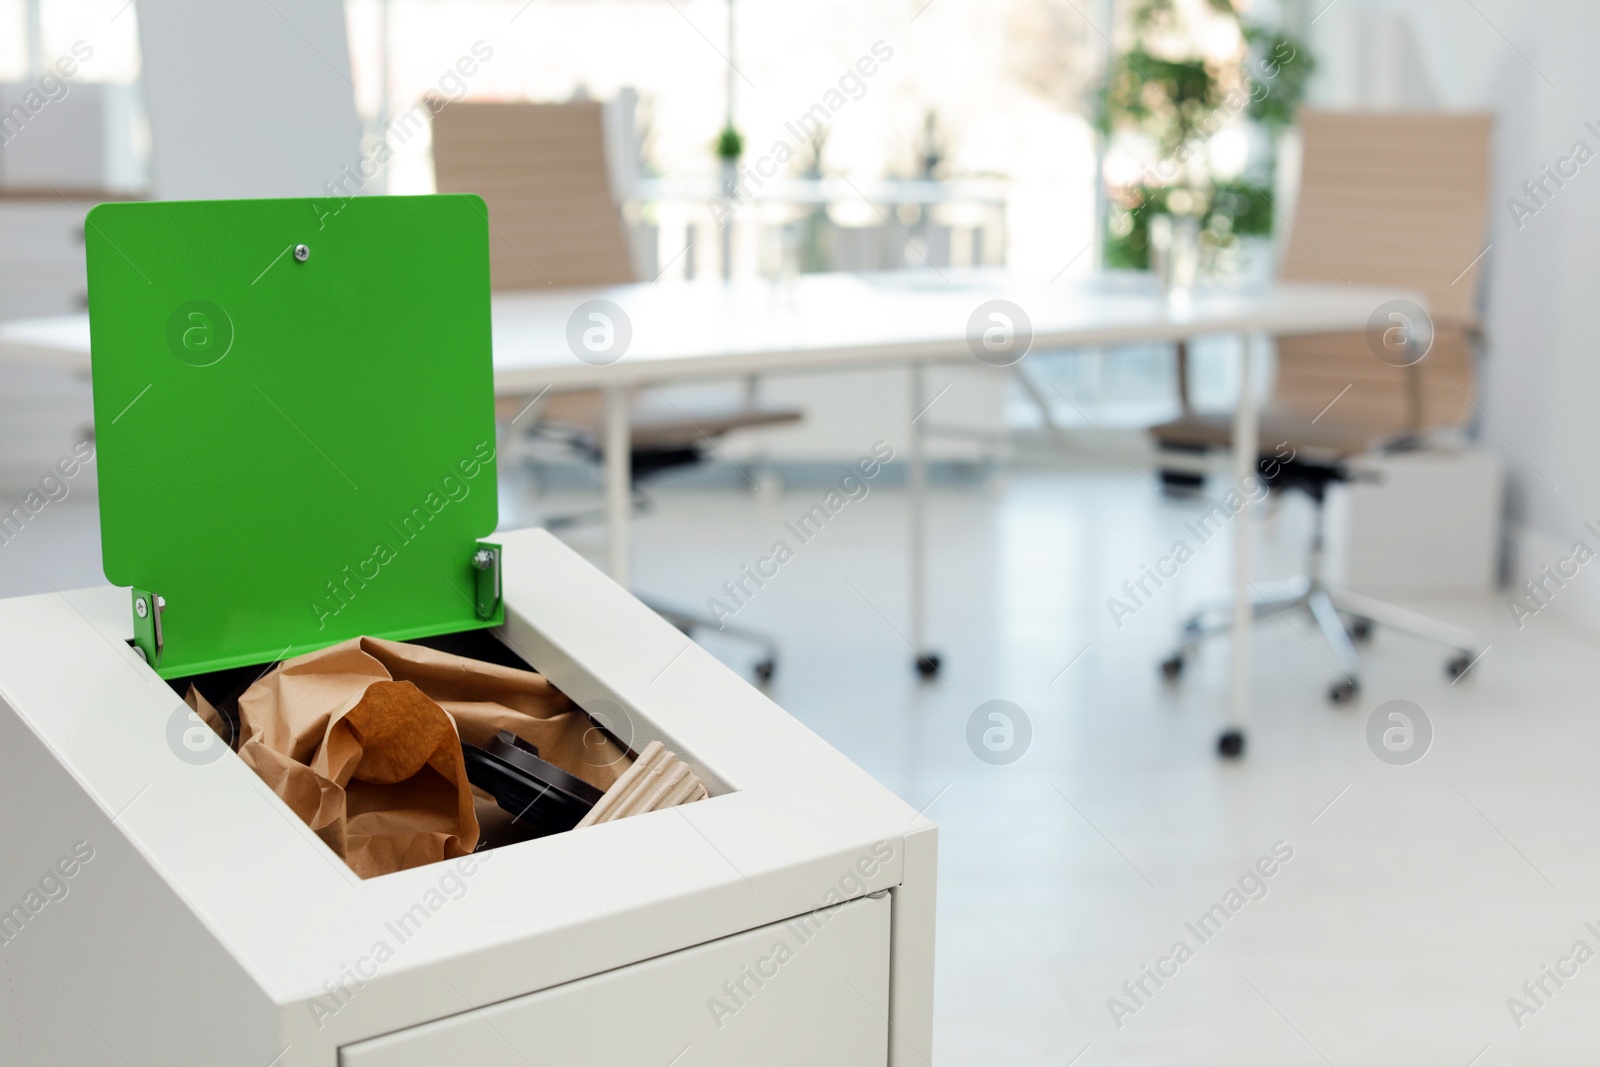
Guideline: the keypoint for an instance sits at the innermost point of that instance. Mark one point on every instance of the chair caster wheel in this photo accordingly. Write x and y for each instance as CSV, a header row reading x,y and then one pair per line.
x,y
1360,629
928,664
766,669
1171,668
1230,743
1458,666
1343,692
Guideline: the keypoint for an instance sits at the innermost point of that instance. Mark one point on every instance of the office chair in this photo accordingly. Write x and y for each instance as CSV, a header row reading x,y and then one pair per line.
x,y
661,442
1385,199
553,177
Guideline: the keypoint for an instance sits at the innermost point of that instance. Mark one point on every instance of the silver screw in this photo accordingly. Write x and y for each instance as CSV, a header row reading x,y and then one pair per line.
x,y
140,608
301,253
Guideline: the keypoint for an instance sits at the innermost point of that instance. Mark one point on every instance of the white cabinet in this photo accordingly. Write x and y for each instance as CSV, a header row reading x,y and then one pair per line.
x,y
813,990
44,412
81,137
1425,520
41,255
964,406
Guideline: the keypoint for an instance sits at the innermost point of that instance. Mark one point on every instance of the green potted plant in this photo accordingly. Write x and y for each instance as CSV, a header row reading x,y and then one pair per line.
x,y
1188,82
729,147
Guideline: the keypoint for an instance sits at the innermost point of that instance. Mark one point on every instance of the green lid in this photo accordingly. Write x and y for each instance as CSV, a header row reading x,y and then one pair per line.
x,y
294,419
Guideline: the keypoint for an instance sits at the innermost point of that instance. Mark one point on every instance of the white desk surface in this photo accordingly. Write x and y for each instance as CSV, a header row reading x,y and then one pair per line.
x,y
823,321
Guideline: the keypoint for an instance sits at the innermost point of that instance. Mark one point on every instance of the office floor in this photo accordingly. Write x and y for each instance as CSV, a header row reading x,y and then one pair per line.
x,y
1417,898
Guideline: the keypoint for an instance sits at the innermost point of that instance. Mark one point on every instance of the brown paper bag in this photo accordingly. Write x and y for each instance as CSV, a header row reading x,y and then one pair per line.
x,y
362,741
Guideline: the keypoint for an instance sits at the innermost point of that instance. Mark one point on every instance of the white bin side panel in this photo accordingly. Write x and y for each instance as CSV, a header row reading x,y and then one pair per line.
x,y
915,916
822,1001
105,966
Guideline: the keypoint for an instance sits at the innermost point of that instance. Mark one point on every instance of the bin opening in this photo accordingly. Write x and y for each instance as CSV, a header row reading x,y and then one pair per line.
x,y
399,754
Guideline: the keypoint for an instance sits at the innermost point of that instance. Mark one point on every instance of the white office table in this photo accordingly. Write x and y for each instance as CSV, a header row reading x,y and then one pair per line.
x,y
831,321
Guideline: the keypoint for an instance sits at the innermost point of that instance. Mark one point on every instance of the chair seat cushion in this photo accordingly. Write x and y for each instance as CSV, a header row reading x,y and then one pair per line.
x,y
1322,438
654,422
693,425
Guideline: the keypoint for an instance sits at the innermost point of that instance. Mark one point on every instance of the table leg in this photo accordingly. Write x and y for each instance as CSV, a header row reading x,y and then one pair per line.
x,y
1041,402
927,662
619,489
1246,453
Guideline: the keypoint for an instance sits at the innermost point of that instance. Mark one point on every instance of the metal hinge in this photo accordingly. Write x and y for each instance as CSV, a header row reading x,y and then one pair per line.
x,y
147,636
486,562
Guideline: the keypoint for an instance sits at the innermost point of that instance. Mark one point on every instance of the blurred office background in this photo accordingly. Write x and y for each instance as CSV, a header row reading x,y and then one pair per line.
x,y
991,136
974,144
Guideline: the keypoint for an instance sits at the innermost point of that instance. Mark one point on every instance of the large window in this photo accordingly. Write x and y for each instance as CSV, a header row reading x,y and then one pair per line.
x,y
989,89
36,33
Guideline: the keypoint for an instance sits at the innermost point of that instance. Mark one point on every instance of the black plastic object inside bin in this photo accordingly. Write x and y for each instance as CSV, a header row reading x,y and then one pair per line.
x,y
536,792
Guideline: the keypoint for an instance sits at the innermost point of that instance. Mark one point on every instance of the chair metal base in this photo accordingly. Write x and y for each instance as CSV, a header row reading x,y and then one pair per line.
x,y
1329,608
686,621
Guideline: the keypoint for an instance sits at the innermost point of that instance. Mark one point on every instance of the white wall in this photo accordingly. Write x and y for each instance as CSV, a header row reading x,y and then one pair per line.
x,y
1532,62
247,99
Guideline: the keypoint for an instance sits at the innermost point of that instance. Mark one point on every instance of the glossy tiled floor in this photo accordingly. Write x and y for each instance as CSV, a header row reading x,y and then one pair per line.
x,y
1416,901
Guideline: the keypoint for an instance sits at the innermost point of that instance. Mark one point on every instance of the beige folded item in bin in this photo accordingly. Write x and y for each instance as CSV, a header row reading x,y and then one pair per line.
x,y
658,779
356,740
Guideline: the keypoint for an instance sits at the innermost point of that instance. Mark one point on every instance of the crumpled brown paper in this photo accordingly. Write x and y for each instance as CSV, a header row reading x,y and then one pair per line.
x,y
360,740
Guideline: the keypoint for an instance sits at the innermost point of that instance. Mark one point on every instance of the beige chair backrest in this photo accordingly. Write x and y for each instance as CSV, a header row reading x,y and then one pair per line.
x,y
541,169
554,221
1389,199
